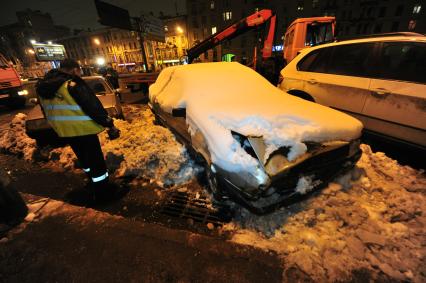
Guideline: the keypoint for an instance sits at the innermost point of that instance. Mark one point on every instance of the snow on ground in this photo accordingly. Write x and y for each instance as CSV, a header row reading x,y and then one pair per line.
x,y
220,97
369,220
144,150
15,141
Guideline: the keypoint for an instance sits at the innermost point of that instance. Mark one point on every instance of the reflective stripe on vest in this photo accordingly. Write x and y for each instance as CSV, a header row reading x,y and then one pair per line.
x,y
66,117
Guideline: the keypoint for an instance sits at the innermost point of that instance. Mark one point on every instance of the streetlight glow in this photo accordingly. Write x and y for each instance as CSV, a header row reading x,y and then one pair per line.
x,y
96,41
32,41
49,42
31,51
179,29
100,61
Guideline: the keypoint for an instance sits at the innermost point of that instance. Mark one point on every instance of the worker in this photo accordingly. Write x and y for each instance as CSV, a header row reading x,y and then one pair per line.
x,y
77,116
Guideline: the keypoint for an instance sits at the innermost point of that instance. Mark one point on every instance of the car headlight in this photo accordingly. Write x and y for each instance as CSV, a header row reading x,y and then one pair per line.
x,y
23,92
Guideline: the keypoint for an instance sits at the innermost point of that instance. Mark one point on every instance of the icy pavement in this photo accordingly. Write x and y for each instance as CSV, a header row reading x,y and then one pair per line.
x,y
368,223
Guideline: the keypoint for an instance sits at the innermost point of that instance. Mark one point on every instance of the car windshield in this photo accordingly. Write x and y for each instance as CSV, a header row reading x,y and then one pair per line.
x,y
318,33
98,86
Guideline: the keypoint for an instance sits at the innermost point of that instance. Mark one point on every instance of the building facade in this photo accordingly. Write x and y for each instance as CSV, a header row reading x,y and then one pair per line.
x,y
353,17
173,50
118,48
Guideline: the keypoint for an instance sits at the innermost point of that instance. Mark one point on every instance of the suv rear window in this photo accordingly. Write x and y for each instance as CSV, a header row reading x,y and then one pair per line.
x,y
403,61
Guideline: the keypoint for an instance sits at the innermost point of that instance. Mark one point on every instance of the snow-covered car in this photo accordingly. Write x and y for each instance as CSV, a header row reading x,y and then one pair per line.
x,y
261,147
38,128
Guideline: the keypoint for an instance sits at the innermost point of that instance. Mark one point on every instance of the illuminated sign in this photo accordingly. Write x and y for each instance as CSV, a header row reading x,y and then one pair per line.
x,y
49,52
277,48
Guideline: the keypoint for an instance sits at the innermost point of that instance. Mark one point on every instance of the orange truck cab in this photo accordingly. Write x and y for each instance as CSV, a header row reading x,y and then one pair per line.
x,y
11,92
307,32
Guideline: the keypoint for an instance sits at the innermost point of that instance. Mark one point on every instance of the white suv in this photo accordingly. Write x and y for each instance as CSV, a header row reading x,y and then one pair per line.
x,y
380,80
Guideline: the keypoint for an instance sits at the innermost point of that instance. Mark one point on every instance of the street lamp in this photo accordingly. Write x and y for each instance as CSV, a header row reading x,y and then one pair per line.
x,y
33,41
179,29
31,51
100,61
96,41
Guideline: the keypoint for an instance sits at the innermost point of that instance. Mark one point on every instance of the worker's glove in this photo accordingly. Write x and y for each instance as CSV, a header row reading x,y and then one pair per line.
x,y
113,133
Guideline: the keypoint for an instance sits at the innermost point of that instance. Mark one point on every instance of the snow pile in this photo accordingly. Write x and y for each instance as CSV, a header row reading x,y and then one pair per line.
x,y
369,223
149,151
144,150
15,141
220,97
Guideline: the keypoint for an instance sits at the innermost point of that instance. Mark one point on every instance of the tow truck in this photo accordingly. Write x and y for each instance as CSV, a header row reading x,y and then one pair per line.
x,y
11,92
307,32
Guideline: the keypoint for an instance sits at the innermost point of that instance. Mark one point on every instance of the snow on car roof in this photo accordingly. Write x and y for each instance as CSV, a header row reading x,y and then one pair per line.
x,y
224,96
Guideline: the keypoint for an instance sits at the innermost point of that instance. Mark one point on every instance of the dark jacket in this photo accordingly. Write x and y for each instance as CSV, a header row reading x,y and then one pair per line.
x,y
81,93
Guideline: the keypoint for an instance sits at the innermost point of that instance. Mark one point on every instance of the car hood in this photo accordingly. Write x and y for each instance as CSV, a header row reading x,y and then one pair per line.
x,y
224,97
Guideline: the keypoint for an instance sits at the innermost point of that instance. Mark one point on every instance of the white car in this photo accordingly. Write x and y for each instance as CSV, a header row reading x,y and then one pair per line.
x,y
261,148
379,80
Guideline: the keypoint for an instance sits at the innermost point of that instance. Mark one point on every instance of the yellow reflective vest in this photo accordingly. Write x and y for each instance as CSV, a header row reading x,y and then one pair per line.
x,y
66,117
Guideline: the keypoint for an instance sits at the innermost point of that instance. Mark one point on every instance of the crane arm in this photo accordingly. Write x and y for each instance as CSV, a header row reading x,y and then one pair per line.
x,y
248,23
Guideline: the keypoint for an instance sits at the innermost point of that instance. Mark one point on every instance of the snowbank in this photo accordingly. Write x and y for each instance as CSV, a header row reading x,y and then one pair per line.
x,y
15,141
368,221
144,150
220,97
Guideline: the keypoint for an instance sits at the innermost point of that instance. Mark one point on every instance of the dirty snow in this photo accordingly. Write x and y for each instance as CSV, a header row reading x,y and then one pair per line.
x,y
144,150
14,140
223,96
369,221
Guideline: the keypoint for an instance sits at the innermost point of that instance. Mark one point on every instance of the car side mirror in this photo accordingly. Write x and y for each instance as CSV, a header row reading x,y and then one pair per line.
x,y
179,112
33,101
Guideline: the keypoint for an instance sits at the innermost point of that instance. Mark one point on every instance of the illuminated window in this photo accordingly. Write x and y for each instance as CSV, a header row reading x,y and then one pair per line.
x,y
227,16
417,9
212,5
214,30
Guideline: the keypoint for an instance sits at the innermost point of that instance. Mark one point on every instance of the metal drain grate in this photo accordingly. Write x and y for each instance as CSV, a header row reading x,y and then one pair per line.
x,y
186,206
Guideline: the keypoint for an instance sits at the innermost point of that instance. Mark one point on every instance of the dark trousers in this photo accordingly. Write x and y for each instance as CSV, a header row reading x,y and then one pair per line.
x,y
89,153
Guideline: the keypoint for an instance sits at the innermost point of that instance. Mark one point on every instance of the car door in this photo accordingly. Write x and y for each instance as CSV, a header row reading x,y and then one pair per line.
x,y
339,77
396,105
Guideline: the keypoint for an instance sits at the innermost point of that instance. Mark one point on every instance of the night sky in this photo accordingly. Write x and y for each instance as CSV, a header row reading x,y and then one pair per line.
x,y
82,13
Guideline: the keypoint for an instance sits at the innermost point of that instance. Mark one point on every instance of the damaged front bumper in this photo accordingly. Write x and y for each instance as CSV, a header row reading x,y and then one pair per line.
x,y
262,194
